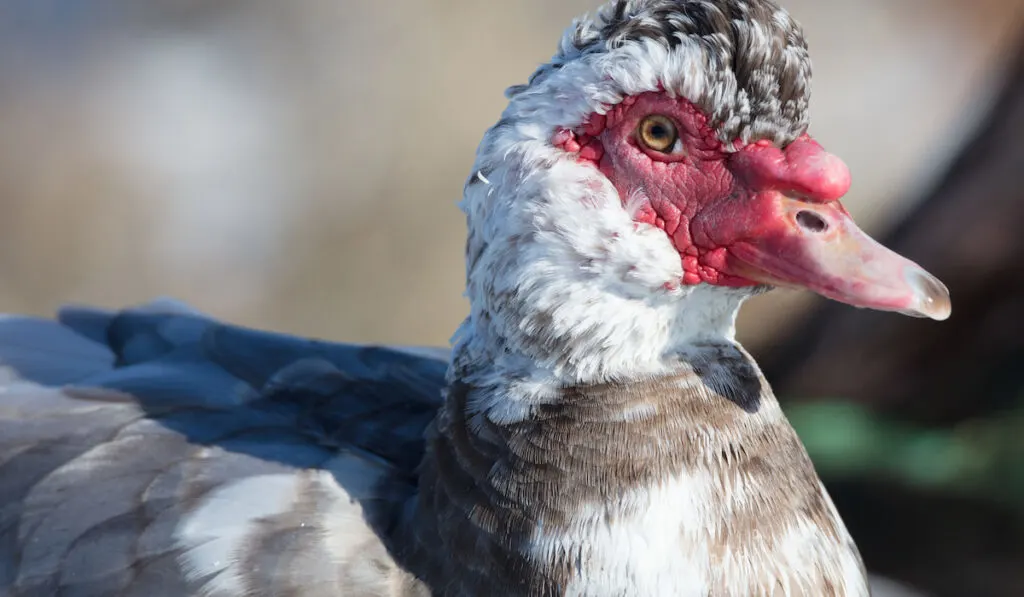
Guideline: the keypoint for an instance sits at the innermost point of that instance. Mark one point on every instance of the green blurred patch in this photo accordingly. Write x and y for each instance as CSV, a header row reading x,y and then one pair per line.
x,y
981,458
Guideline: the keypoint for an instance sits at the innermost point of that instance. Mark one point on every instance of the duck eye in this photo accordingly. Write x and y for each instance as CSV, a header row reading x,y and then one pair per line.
x,y
658,133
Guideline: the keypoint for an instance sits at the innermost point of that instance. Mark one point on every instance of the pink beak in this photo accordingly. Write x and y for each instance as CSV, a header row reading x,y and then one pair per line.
x,y
789,229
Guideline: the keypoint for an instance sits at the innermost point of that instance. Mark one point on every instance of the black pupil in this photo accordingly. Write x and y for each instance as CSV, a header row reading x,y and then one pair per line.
x,y
659,131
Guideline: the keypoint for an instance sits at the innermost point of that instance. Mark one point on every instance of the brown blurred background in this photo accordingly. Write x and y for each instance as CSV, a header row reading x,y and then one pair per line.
x,y
296,166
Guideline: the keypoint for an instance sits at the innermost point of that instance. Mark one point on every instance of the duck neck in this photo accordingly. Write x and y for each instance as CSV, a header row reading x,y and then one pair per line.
x,y
532,498
552,299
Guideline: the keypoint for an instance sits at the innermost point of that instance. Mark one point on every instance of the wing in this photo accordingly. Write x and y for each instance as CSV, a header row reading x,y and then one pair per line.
x,y
158,452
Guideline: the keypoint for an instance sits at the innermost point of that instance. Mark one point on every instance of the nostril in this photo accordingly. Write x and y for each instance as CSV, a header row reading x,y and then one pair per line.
x,y
811,221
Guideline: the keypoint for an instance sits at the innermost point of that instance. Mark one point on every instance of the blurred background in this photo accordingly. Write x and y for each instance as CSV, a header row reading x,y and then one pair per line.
x,y
296,166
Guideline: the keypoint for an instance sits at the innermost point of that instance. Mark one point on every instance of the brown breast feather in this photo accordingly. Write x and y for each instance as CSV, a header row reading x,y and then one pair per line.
x,y
485,486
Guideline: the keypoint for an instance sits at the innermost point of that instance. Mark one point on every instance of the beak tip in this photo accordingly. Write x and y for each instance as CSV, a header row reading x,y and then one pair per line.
x,y
943,312
939,312
931,297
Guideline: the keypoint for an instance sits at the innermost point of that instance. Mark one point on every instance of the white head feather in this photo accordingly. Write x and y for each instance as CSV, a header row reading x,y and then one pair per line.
x,y
564,286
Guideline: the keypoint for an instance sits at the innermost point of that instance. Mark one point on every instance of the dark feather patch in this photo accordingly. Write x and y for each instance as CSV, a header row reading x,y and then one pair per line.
x,y
753,41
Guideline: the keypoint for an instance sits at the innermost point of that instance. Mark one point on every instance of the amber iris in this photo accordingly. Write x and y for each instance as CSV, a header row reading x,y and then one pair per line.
x,y
658,133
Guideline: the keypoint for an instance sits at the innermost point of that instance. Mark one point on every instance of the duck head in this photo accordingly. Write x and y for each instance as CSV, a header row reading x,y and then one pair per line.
x,y
655,173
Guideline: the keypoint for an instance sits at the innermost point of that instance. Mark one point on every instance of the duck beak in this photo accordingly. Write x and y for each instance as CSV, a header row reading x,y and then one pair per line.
x,y
784,225
797,243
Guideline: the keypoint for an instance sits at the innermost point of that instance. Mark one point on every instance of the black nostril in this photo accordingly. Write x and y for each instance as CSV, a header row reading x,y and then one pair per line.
x,y
811,221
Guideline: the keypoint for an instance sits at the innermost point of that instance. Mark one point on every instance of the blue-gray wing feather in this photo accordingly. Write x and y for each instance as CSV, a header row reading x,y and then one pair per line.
x,y
156,451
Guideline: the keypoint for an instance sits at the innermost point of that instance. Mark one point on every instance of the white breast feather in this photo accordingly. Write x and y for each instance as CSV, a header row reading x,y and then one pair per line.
x,y
653,541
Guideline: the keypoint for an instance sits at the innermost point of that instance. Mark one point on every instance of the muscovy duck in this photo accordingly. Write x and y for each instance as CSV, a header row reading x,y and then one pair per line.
x,y
595,430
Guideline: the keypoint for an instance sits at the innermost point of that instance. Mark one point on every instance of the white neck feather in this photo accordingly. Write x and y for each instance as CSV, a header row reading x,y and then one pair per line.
x,y
564,286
